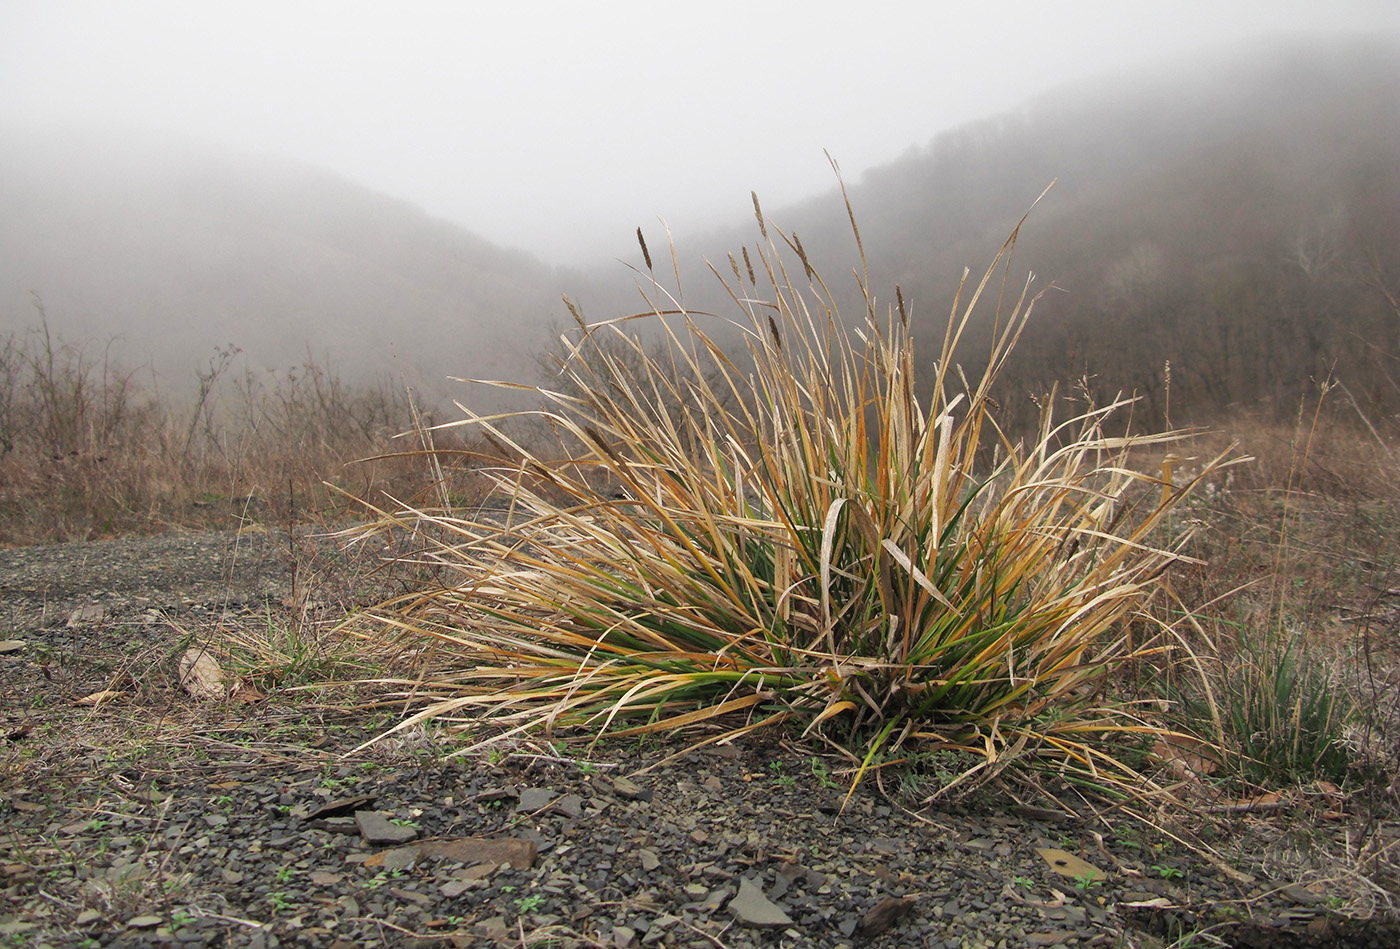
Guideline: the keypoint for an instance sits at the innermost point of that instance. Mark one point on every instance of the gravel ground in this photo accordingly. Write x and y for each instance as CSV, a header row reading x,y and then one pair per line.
x,y
150,819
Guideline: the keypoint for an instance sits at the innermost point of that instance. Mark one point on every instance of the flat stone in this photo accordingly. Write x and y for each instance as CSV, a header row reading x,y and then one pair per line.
x,y
629,790
650,861
570,806
143,922
84,615
534,799
10,645
455,888
339,808
399,858
376,828
752,908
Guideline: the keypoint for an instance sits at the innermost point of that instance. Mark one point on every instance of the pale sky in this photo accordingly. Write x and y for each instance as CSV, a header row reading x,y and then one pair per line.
x,y
559,127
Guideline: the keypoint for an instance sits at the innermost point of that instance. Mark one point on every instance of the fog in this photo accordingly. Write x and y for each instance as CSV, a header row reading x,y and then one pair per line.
x,y
560,127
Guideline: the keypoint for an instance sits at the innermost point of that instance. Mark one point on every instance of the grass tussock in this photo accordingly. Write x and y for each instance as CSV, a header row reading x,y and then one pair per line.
x,y
804,535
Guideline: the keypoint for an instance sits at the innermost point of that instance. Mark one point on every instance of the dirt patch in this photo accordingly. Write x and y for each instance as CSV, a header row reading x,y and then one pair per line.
x,y
153,819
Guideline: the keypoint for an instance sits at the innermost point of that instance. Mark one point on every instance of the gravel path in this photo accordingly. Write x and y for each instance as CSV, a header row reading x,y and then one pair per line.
x,y
150,819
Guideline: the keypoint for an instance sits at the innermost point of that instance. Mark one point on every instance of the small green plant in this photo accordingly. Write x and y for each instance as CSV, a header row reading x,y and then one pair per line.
x,y
1087,881
284,873
820,772
588,768
779,778
279,901
1286,710
403,822
1024,883
528,904
1167,872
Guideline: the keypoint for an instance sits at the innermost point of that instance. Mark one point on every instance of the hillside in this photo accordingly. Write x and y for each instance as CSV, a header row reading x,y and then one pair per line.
x,y
177,248
1240,218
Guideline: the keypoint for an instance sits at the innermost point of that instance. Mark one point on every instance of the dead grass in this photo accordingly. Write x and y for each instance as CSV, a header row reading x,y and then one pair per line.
x,y
88,451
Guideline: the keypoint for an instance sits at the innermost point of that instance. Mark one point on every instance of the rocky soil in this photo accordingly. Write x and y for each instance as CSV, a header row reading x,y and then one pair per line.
x,y
132,813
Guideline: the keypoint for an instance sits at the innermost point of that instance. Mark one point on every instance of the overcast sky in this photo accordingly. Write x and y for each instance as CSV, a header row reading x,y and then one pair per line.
x,y
559,127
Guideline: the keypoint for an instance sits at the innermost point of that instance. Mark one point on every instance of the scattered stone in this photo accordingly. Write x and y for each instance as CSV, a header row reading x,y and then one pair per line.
x,y
623,936
752,908
535,799
399,858
376,828
886,845
87,615
650,861
413,896
1050,939
479,871
1301,894
628,790
343,807
455,888
143,922
336,825
8,646
466,850
885,914
570,806
87,917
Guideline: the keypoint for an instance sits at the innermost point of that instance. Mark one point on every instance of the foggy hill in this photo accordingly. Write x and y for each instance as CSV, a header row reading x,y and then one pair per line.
x,y
176,248
1239,216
